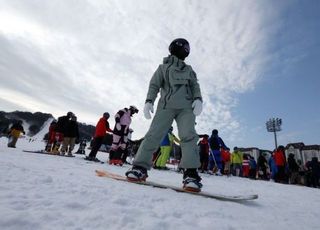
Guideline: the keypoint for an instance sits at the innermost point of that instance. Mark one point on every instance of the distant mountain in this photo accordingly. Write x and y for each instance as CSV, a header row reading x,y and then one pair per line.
x,y
33,122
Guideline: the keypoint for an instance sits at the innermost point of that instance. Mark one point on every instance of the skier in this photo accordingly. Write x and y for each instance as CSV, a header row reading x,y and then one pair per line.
x,y
14,133
165,149
101,128
216,143
120,134
181,101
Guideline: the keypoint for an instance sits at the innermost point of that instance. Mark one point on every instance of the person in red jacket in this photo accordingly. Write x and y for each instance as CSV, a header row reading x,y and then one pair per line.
x,y
204,152
280,161
226,160
101,128
51,136
245,166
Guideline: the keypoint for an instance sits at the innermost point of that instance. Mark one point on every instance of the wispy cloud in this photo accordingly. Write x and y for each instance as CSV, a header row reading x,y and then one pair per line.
x,y
92,56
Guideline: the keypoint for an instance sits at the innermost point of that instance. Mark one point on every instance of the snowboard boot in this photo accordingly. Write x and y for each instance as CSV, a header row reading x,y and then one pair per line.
x,y
116,162
191,180
89,158
137,173
115,157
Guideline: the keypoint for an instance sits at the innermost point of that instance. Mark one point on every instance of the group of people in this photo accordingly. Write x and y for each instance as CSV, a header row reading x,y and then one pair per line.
x,y
276,167
180,101
63,135
121,135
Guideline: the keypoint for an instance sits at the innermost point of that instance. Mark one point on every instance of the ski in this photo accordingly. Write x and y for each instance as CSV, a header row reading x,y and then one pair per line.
x,y
45,152
235,198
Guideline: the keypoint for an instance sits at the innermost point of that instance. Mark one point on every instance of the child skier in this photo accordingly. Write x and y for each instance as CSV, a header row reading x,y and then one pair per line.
x,y
181,101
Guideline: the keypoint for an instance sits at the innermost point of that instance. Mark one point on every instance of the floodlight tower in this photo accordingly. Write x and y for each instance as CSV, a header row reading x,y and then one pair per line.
x,y
274,125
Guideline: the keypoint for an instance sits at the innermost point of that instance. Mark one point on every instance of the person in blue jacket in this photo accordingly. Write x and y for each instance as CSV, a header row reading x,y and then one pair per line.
x,y
216,143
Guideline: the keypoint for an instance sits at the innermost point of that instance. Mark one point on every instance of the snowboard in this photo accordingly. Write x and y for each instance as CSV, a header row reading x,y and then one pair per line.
x,y
47,153
234,198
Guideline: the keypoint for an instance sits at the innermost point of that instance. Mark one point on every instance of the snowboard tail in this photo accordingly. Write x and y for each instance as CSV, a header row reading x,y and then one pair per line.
x,y
235,198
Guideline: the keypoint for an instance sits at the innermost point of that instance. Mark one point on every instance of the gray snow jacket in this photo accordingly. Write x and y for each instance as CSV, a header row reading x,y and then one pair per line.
x,y
177,83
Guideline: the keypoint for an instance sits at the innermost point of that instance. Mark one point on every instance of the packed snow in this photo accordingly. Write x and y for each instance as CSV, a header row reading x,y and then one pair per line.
x,y
51,192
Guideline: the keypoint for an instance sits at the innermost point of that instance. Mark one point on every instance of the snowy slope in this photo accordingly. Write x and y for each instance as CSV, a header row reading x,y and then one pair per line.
x,y
50,192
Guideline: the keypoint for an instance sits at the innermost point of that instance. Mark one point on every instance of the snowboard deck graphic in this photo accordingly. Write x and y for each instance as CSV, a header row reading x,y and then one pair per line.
x,y
235,198
47,153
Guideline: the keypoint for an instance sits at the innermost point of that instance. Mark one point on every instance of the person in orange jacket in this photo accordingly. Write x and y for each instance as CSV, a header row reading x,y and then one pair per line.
x,y
280,161
101,128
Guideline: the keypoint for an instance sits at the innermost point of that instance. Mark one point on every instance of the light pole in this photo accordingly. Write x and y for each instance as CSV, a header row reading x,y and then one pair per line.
x,y
274,125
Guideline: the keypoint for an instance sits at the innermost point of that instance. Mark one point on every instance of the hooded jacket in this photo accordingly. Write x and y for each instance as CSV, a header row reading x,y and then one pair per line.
x,y
177,83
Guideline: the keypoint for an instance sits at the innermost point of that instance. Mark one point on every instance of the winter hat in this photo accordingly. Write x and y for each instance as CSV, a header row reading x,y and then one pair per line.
x,y
106,115
180,48
70,114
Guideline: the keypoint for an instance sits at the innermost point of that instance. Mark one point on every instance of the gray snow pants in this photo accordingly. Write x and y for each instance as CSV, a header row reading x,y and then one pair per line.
x,y
160,125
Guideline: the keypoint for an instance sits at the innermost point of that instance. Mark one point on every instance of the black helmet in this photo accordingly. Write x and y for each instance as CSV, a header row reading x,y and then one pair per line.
x,y
133,109
106,115
70,114
179,48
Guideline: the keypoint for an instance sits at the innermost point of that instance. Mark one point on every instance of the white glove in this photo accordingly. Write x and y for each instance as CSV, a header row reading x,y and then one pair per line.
x,y
118,126
197,107
148,107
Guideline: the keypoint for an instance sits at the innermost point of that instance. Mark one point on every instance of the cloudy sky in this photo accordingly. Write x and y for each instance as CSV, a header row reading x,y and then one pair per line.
x,y
254,60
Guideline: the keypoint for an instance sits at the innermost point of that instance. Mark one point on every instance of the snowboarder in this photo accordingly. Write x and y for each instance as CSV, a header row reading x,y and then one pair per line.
x,y
82,147
14,133
71,134
120,134
51,136
60,131
181,101
101,128
128,151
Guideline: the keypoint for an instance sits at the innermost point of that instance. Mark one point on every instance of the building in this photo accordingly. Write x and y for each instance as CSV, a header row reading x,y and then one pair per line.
x,y
303,152
255,152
